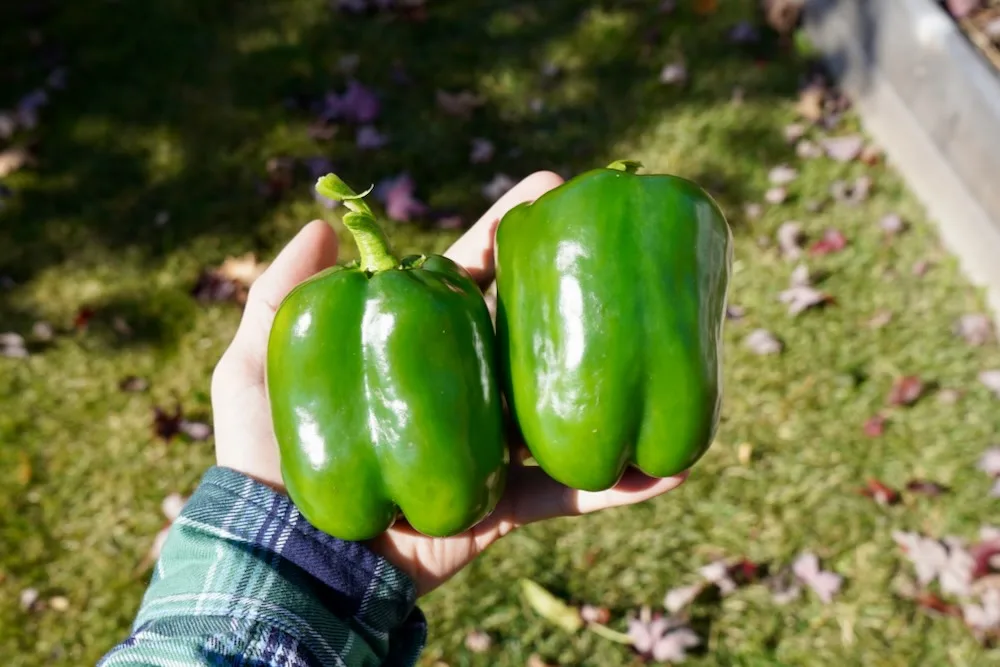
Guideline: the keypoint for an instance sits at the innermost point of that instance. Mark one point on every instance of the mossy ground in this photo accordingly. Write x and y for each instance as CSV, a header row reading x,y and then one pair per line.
x,y
175,107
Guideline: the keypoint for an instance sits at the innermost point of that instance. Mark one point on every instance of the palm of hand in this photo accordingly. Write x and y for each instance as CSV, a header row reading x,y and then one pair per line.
x,y
245,438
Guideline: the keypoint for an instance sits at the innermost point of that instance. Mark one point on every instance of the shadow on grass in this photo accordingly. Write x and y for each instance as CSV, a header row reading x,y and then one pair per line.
x,y
175,106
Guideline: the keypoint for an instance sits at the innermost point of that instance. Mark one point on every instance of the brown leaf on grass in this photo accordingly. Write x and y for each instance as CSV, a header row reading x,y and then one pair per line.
x,y
535,660
926,487
871,155
810,104
244,269
82,318
478,641
680,597
906,390
24,469
705,7
880,492
874,426
933,603
975,328
133,384
460,104
833,241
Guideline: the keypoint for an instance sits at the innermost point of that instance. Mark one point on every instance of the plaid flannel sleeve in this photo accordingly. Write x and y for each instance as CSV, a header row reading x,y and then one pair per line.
x,y
243,579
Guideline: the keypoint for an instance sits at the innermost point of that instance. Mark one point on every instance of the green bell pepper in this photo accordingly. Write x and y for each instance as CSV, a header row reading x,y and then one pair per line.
x,y
611,299
383,390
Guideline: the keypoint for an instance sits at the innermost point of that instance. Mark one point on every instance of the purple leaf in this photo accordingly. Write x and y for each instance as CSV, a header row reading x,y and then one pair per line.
x,y
989,462
975,328
985,616
662,639
744,32
673,74
482,151
845,148
762,342
357,105
782,175
892,224
991,380
945,560
397,196
496,188
824,584
789,238
803,298
369,138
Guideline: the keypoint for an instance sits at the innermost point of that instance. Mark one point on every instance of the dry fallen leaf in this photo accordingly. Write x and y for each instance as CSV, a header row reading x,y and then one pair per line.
x,y
991,380
762,342
28,599
794,131
662,639
478,641
133,384
808,150
906,390
833,241
880,492
776,195
460,104
790,238
880,319
244,269
975,328
782,175
824,584
802,298
926,487
535,660
59,603
843,149
874,426
679,598
810,104
593,614
12,159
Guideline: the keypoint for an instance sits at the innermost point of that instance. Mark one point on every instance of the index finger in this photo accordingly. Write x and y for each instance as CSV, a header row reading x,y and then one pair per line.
x,y
474,250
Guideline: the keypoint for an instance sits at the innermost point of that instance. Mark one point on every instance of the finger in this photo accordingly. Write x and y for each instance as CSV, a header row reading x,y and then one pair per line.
x,y
537,497
474,250
313,249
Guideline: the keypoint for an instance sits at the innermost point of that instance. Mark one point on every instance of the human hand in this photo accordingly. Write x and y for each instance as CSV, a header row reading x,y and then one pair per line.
x,y
245,438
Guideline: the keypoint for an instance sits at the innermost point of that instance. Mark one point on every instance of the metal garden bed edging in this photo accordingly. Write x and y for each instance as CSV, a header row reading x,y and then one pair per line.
x,y
932,100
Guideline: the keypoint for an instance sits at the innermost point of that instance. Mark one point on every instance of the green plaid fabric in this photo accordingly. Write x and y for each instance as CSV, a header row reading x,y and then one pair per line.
x,y
243,579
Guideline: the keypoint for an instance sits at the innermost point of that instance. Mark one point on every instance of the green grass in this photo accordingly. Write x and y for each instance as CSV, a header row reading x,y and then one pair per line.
x,y
175,106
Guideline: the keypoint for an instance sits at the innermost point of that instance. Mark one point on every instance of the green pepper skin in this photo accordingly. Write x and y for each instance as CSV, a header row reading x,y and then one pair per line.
x,y
611,301
385,398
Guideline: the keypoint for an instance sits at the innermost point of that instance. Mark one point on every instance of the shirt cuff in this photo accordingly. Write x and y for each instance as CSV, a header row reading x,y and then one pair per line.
x,y
239,549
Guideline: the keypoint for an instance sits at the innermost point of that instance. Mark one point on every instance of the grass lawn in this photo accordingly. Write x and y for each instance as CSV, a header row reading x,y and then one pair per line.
x,y
147,166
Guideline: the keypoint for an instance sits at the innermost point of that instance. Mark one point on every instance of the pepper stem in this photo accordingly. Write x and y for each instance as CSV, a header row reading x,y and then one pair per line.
x,y
628,166
373,246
